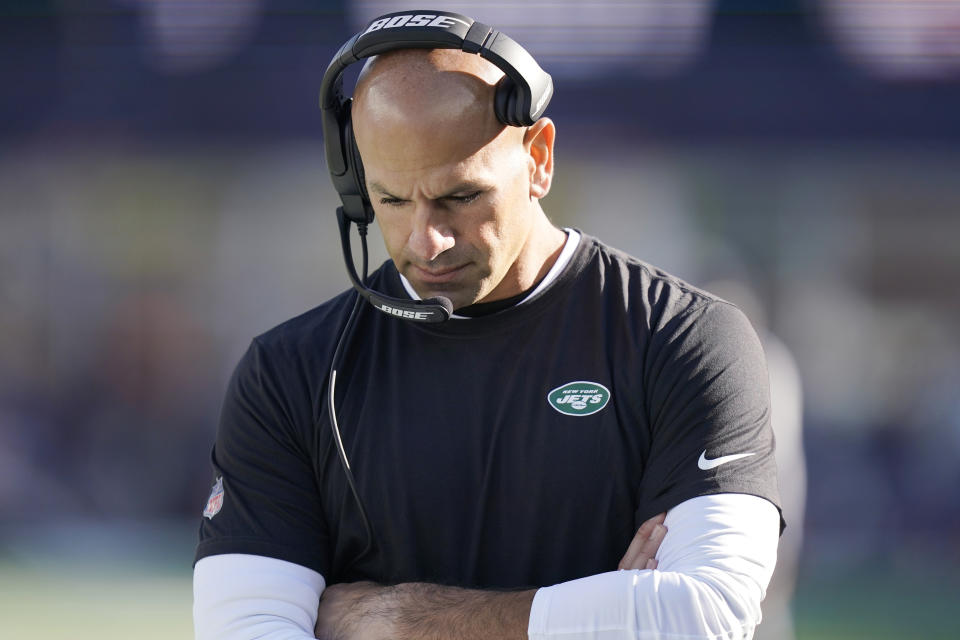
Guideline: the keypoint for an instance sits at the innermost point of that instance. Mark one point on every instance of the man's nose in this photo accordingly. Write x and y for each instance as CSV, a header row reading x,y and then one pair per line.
x,y
430,235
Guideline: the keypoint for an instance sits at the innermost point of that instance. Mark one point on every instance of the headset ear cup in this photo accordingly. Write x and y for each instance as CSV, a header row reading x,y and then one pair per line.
x,y
355,168
505,101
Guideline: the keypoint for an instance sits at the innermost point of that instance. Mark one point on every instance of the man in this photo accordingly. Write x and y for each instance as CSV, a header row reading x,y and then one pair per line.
x,y
506,457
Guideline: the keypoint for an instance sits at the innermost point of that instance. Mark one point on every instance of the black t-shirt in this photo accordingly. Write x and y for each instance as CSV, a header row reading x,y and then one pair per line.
x,y
518,449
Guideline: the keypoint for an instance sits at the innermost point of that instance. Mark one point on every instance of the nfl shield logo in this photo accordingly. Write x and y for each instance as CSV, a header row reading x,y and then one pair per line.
x,y
216,499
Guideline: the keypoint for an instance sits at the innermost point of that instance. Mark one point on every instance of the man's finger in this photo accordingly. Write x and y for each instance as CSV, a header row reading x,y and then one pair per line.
x,y
645,543
647,548
639,540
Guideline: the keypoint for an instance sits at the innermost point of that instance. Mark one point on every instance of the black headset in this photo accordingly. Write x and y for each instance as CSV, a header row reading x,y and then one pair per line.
x,y
520,98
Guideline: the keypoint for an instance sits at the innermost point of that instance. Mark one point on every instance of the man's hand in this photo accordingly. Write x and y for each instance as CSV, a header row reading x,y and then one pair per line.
x,y
640,554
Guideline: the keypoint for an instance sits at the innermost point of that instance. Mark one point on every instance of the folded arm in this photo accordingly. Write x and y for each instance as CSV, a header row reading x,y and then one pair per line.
x,y
425,611
714,565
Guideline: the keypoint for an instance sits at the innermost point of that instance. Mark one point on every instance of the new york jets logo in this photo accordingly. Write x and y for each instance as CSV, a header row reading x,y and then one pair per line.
x,y
580,398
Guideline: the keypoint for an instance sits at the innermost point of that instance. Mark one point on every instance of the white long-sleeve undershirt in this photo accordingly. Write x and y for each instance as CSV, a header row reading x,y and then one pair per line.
x,y
714,566
238,596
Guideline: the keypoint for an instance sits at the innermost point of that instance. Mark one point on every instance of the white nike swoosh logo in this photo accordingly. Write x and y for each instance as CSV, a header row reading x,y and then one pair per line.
x,y
706,465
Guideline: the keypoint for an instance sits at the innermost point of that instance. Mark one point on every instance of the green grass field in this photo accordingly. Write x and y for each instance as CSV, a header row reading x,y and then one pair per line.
x,y
879,605
93,605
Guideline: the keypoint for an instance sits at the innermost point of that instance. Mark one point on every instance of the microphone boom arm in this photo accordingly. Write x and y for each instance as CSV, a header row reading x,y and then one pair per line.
x,y
436,309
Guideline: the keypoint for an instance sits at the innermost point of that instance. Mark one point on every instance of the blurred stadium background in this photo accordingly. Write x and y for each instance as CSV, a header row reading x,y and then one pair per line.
x,y
163,198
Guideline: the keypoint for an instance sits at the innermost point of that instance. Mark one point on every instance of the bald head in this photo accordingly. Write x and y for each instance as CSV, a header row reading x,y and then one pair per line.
x,y
427,106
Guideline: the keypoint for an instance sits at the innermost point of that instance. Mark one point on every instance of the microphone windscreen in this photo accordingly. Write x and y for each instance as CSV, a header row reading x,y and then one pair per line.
x,y
443,302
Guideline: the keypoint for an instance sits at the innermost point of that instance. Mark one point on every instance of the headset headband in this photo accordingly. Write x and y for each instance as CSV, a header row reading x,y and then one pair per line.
x,y
519,103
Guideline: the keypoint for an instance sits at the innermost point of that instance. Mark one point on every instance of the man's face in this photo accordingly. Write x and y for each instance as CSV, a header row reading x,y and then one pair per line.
x,y
450,185
454,219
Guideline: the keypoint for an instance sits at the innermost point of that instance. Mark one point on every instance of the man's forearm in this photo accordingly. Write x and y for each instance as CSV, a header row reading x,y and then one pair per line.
x,y
715,565
434,612
422,611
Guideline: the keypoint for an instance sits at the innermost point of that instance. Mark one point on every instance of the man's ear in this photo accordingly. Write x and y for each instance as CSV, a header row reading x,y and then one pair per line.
x,y
538,142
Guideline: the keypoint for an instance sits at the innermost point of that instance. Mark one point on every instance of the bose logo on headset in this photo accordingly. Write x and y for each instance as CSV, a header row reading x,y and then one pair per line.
x,y
403,313
411,20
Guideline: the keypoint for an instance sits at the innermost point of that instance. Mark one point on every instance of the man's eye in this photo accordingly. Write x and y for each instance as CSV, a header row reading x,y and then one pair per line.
x,y
467,199
392,202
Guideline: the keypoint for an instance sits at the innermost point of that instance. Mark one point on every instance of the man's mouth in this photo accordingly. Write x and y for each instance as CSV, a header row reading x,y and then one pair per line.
x,y
436,275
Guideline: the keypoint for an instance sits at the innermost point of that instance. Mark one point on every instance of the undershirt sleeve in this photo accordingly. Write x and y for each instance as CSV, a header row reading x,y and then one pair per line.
x,y
714,565
238,597
269,502
708,399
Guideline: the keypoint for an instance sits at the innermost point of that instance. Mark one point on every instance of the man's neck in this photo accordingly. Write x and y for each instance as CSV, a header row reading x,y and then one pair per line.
x,y
544,245
488,307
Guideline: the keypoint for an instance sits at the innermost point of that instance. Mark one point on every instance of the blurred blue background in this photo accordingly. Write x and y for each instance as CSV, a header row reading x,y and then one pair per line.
x,y
164,198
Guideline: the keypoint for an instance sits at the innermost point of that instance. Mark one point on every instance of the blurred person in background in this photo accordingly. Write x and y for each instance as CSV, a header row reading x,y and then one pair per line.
x,y
582,412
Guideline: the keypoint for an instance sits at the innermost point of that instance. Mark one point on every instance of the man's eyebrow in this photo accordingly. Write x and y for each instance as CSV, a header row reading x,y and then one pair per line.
x,y
458,188
382,190
462,187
